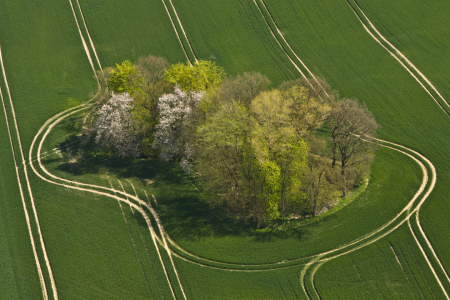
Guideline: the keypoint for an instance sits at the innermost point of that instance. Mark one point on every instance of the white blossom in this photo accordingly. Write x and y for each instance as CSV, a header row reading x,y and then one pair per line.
x,y
172,134
115,126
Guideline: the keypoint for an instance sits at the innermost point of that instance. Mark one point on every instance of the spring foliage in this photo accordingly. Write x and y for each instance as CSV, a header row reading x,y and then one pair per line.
x,y
115,126
254,149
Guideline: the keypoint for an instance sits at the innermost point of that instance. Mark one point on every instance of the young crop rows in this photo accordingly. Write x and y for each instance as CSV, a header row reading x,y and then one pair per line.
x,y
171,268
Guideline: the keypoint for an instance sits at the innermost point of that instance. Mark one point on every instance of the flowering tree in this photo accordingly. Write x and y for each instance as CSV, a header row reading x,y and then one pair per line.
x,y
115,126
175,132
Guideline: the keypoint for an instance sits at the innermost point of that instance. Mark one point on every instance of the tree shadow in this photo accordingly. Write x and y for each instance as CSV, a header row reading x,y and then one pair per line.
x,y
182,206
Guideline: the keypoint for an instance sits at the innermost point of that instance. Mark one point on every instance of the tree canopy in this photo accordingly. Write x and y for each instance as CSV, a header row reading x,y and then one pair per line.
x,y
261,154
199,77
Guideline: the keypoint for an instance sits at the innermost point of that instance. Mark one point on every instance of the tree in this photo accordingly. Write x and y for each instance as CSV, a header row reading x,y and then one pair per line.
x,y
199,77
320,186
115,127
280,153
224,159
307,111
175,132
145,112
350,124
124,78
243,88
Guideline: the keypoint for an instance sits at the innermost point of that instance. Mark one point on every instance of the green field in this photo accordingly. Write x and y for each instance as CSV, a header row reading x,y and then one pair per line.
x,y
96,212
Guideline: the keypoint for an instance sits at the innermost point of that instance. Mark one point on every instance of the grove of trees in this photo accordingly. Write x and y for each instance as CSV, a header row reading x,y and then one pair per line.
x,y
261,153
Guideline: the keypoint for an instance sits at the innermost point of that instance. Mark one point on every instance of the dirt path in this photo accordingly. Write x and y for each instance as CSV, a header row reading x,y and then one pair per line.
x,y
16,127
89,35
27,218
401,55
176,32
182,29
86,49
400,61
290,48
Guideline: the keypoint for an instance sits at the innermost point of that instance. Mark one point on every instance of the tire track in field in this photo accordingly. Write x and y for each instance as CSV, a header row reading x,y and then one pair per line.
x,y
88,34
41,239
144,203
145,245
398,59
290,48
401,55
182,29
86,48
132,239
76,185
27,218
423,86
177,33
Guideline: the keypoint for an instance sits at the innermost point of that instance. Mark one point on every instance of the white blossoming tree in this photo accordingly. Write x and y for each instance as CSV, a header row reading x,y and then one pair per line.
x,y
115,126
175,131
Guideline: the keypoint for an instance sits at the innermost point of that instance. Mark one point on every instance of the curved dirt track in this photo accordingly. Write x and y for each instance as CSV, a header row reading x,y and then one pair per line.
x,y
41,239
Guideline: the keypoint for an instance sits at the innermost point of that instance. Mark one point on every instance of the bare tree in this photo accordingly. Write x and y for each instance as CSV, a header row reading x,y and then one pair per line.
x,y
243,88
350,123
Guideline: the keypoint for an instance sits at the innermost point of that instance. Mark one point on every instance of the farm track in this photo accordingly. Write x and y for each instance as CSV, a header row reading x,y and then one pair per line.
x,y
178,34
254,267
41,239
400,60
76,185
399,57
279,32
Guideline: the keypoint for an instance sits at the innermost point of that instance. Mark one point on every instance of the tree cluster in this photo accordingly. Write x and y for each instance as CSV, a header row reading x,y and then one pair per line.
x,y
261,154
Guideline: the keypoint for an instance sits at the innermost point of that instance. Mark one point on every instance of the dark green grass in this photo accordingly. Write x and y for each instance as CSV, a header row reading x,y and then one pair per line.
x,y
47,68
218,284
88,244
375,273
127,30
19,277
419,30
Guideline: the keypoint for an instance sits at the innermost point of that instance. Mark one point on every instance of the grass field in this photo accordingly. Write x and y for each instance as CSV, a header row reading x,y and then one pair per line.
x,y
100,249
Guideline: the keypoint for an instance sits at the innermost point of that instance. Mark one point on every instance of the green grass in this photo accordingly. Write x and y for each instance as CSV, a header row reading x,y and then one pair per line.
x,y
127,30
235,36
87,240
375,273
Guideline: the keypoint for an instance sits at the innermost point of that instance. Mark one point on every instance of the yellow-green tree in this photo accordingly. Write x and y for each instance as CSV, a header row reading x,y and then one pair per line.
x,y
125,78
280,152
199,77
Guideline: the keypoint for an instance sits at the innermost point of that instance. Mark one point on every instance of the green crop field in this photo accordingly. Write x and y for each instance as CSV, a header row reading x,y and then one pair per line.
x,y
97,227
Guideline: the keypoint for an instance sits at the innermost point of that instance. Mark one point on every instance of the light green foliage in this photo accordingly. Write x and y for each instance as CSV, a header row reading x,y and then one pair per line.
x,y
275,142
308,112
145,112
199,77
124,78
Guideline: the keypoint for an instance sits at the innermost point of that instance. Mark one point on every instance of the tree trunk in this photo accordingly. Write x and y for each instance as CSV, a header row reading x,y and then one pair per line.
x,y
344,180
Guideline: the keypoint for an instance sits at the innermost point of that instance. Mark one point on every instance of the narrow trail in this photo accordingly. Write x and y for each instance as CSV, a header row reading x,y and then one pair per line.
x,y
182,29
320,261
51,126
27,218
16,127
399,60
89,35
290,48
177,33
86,48
134,242
401,55
410,64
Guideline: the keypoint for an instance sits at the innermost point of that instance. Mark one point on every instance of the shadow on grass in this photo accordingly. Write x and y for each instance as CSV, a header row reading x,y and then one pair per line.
x,y
181,204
